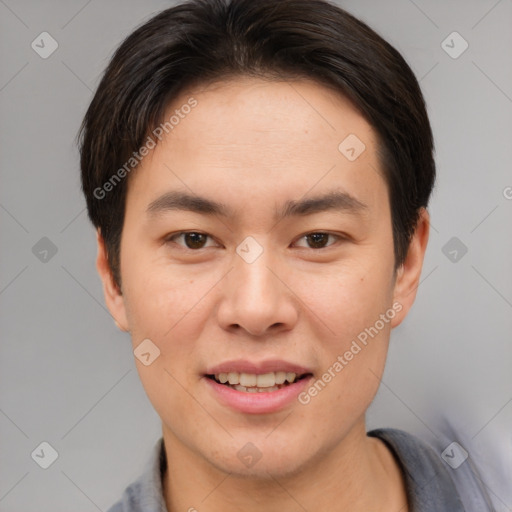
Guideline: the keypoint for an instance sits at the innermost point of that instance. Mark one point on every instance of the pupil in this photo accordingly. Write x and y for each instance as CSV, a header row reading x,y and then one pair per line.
x,y
318,239
194,240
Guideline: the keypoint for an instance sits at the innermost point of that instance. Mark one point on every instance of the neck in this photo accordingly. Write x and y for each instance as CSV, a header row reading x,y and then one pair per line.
x,y
359,474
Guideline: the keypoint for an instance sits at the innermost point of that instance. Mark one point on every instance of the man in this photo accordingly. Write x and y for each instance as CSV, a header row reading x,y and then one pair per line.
x,y
258,174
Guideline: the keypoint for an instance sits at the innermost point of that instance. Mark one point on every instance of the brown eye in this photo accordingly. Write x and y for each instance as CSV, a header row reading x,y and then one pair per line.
x,y
191,239
195,240
319,240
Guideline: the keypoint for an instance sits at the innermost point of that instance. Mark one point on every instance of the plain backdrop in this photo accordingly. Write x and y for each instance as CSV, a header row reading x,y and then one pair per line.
x,y
67,375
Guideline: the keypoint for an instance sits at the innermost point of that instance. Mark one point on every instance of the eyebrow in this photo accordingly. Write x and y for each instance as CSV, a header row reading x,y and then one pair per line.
x,y
335,200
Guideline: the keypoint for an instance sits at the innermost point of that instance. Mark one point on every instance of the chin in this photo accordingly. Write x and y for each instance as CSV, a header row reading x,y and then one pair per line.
x,y
264,460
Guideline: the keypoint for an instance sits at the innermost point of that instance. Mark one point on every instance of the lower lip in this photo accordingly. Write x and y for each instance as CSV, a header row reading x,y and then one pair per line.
x,y
257,403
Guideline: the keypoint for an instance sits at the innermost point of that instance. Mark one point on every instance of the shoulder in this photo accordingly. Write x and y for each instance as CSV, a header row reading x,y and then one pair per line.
x,y
145,494
432,485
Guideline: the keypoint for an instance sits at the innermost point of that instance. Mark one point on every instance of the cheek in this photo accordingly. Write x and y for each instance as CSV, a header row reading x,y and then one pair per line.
x,y
169,303
168,308
352,352
159,296
346,299
352,336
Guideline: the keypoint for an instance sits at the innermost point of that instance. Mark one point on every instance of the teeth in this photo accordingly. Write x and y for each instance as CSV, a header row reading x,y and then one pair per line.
x,y
255,390
280,377
290,377
251,380
234,378
248,379
266,380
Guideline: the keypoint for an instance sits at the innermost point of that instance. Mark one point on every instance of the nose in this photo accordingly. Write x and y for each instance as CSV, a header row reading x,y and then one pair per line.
x,y
257,299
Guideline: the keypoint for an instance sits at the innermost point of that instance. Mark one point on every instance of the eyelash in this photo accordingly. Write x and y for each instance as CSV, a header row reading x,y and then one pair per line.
x,y
170,239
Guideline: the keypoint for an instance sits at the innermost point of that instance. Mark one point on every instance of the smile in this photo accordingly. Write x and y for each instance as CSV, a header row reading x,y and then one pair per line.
x,y
257,383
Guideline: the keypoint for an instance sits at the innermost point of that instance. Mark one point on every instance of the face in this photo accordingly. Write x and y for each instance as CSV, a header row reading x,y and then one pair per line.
x,y
254,244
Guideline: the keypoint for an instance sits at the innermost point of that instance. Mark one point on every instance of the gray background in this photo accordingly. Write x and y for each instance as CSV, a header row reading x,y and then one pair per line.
x,y
67,375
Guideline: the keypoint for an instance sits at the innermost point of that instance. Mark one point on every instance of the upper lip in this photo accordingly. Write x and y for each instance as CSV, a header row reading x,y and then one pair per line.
x,y
258,368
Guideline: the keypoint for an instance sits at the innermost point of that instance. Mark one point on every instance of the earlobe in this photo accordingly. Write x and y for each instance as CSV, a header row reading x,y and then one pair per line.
x,y
113,296
409,273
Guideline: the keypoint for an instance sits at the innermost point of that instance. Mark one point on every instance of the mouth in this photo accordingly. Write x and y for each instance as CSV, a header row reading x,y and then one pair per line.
x,y
258,383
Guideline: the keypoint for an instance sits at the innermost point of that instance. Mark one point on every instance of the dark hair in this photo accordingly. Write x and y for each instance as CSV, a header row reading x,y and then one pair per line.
x,y
203,41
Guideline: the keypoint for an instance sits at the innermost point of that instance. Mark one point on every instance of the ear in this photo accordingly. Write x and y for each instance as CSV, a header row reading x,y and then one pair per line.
x,y
409,273
113,296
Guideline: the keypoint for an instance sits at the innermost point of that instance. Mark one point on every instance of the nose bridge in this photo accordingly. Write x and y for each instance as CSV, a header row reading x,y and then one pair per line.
x,y
254,298
254,284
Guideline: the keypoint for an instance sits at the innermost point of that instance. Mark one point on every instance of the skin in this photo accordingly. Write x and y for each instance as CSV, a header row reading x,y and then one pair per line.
x,y
253,145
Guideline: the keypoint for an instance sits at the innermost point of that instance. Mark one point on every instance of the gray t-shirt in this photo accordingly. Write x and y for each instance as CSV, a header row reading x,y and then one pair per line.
x,y
432,485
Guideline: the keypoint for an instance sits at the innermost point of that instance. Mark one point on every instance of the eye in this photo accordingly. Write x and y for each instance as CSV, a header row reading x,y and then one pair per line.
x,y
192,239
318,240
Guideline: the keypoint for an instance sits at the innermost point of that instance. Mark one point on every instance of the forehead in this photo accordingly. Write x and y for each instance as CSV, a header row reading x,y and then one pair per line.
x,y
245,112
247,134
